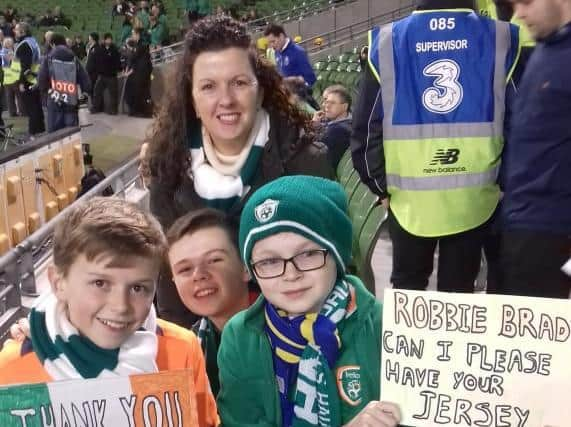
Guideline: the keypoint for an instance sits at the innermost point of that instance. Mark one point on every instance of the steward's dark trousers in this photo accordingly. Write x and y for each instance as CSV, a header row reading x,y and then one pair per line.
x,y
98,102
60,117
33,105
531,264
459,258
12,95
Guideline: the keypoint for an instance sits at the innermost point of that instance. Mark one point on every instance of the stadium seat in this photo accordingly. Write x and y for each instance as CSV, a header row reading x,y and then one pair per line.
x,y
319,65
346,177
345,164
363,202
368,236
351,184
332,65
353,67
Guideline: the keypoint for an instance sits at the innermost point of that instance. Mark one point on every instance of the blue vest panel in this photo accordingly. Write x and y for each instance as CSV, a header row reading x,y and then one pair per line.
x,y
438,78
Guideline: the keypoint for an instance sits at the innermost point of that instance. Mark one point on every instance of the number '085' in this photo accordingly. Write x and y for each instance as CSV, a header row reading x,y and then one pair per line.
x,y
439,24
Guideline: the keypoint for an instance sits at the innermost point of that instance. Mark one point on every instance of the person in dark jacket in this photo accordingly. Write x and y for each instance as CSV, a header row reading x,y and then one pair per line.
x,y
536,215
78,47
90,50
138,84
336,122
106,61
27,53
226,128
61,75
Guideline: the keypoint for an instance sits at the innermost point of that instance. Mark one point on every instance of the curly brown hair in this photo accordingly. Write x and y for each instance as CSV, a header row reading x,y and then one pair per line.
x,y
168,157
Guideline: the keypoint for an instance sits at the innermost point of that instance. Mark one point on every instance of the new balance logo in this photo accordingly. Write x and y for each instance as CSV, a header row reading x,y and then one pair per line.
x,y
445,157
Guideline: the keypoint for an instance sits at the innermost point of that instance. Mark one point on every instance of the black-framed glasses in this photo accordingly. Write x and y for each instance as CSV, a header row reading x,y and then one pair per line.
x,y
270,268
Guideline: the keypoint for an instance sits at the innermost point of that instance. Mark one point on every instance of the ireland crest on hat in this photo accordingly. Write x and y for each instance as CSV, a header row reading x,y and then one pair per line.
x,y
349,384
265,211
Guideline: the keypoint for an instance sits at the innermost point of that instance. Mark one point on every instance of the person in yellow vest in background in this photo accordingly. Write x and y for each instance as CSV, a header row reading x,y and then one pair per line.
x,y
487,8
10,81
26,64
428,135
503,10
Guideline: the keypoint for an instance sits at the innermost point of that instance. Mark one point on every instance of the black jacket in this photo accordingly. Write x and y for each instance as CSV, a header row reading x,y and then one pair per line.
x,y
140,62
281,157
336,136
103,61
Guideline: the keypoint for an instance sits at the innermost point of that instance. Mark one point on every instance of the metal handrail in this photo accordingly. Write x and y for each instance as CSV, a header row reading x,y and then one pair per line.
x,y
330,38
352,31
287,13
17,267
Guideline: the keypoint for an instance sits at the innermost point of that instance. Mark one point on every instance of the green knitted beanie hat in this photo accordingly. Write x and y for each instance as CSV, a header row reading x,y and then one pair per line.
x,y
315,208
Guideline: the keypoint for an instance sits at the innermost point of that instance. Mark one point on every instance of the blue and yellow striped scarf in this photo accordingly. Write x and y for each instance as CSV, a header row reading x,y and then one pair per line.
x,y
305,350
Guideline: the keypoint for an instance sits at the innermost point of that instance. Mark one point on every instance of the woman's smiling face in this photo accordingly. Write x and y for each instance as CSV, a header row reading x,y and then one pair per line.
x,y
226,97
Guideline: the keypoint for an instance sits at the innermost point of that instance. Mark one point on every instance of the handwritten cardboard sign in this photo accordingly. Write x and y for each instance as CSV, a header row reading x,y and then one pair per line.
x,y
151,400
477,360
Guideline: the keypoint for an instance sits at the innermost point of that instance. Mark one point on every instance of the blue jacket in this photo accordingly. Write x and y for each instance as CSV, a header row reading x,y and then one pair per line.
x,y
293,61
537,174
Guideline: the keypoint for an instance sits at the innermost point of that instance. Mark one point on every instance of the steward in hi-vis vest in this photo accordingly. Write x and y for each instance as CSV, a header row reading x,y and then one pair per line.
x,y
29,74
26,63
434,128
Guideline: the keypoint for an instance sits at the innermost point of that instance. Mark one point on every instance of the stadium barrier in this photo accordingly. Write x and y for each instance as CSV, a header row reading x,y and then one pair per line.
x,y
37,181
19,265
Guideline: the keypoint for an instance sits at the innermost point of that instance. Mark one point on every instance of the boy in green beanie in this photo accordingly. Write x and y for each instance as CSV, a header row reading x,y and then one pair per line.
x,y
307,353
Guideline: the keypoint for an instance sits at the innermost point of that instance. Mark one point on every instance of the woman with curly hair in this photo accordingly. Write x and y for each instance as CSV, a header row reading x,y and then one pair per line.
x,y
226,127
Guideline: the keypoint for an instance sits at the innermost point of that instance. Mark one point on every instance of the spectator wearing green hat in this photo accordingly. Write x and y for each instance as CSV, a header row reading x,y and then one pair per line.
x,y
308,352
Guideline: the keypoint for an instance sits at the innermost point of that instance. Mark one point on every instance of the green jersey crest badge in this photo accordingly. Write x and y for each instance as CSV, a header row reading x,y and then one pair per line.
x,y
349,384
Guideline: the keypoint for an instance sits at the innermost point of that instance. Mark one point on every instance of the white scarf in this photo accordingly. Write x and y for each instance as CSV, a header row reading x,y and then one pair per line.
x,y
214,185
53,334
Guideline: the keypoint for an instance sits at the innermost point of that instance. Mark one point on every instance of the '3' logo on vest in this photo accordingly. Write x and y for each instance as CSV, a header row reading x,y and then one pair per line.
x,y
447,93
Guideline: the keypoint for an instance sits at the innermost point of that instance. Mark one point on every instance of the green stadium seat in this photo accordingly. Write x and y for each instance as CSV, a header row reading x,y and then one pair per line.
x,y
347,175
323,76
351,184
319,65
368,236
332,66
364,202
352,67
345,164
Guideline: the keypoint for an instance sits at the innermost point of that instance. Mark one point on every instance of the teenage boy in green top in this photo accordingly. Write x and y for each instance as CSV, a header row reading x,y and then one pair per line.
x,y
209,276
308,352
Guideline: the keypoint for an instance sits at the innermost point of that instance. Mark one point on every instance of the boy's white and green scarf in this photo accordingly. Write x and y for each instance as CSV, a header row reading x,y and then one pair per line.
x,y
65,354
305,350
219,190
209,339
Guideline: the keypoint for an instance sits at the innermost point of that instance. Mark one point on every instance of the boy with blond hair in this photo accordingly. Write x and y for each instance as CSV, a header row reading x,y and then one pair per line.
x,y
99,321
